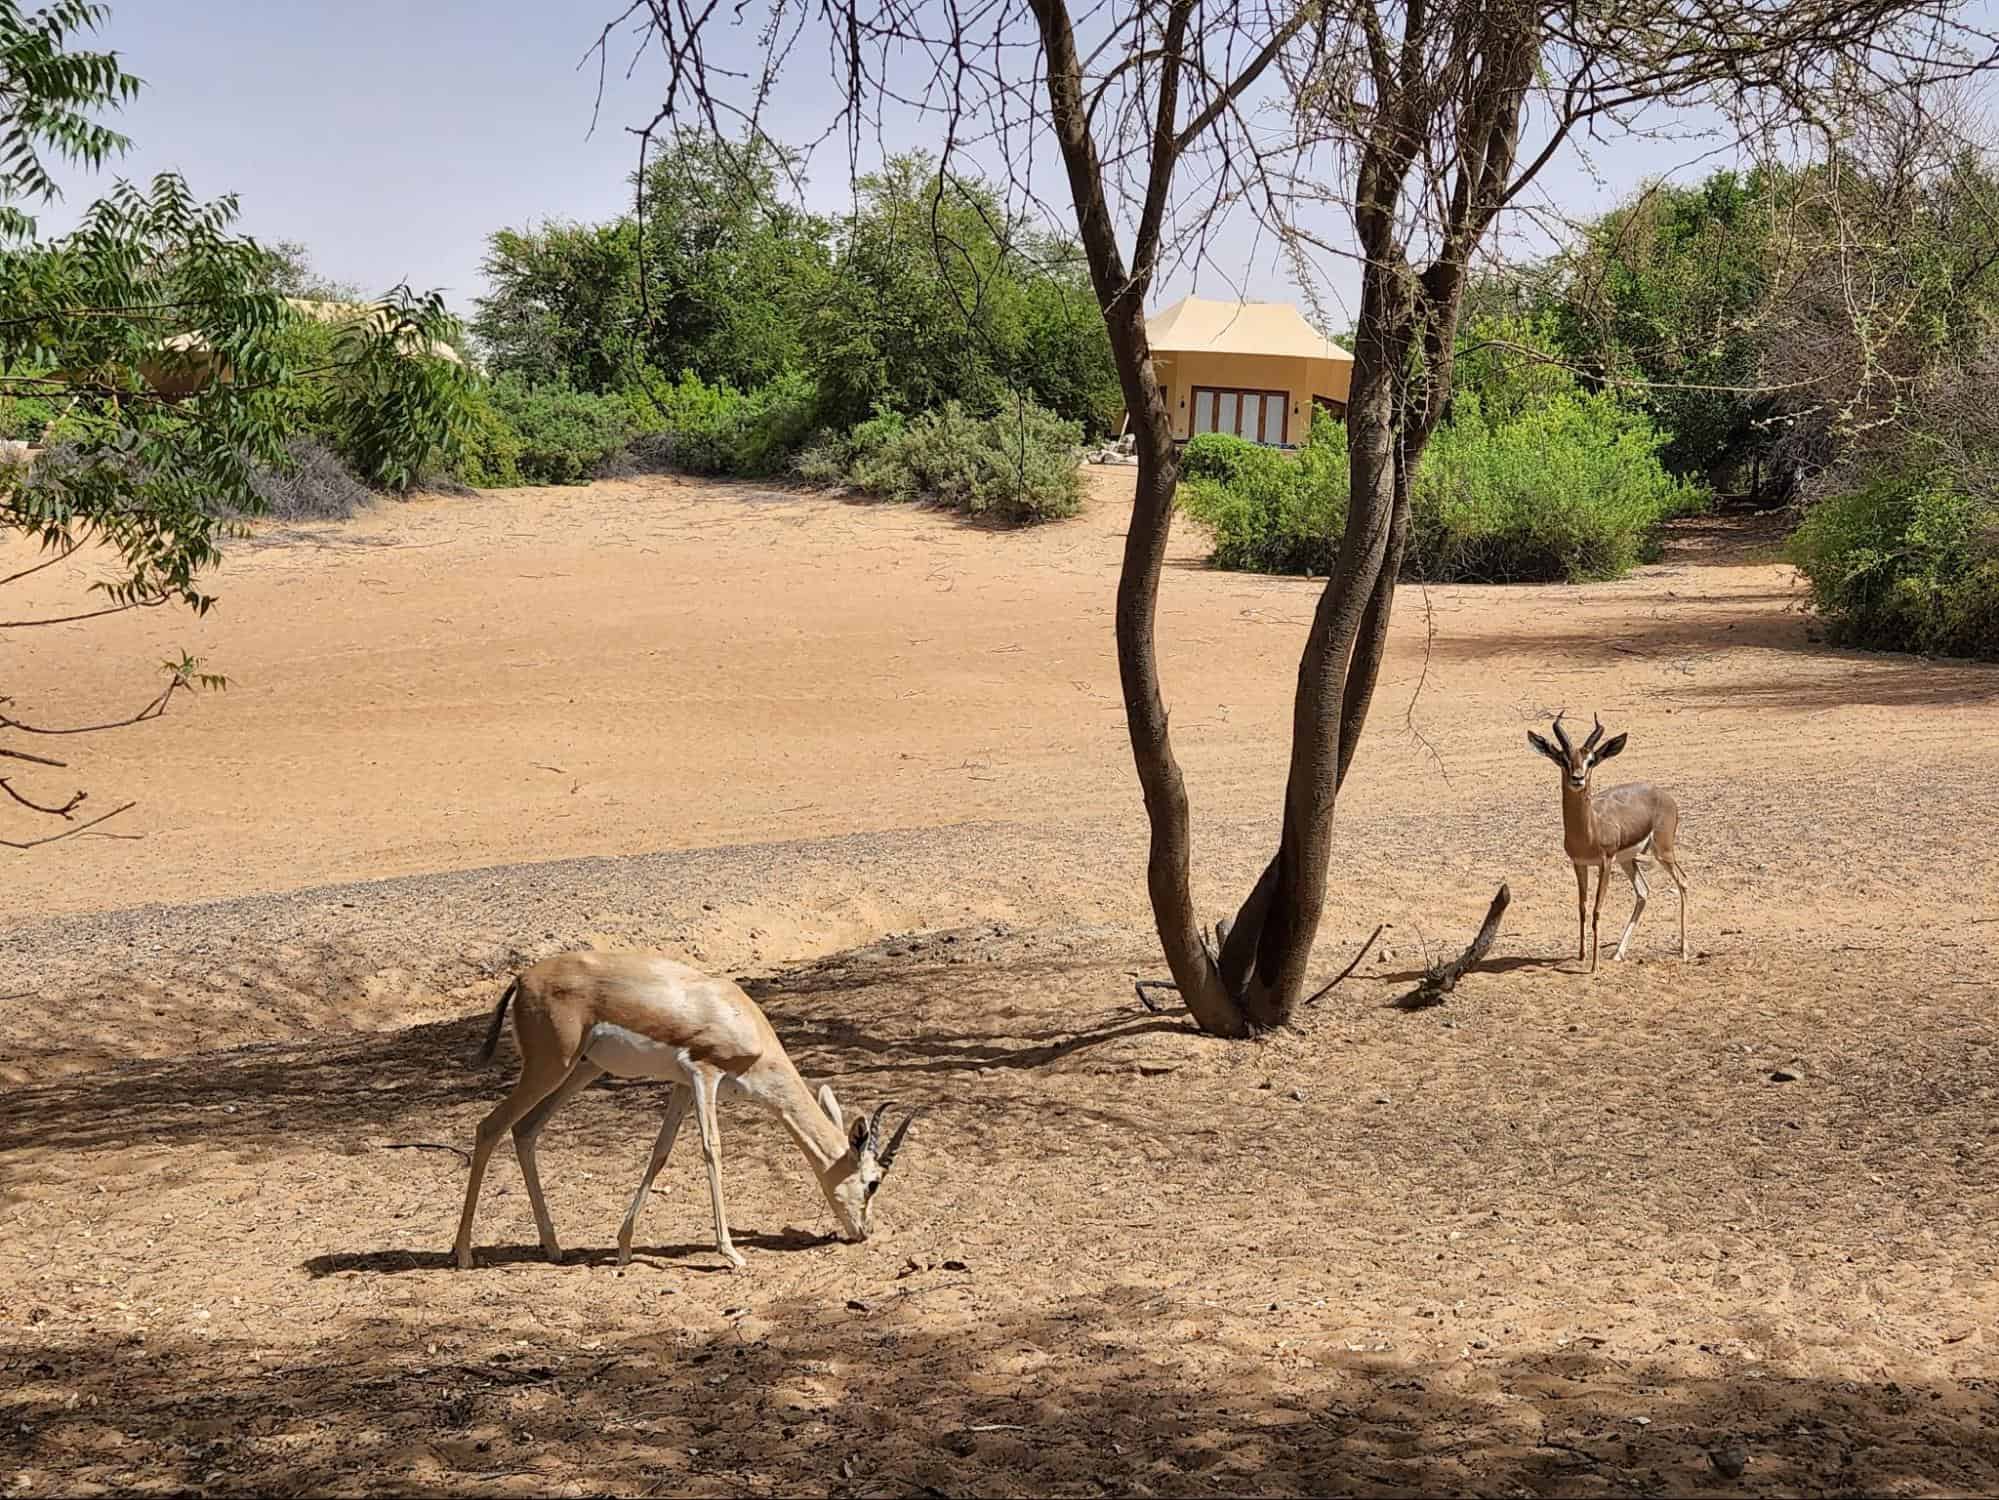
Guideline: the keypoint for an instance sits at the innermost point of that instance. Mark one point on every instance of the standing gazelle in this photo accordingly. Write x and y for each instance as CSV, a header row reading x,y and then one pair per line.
x,y
642,1015
1627,825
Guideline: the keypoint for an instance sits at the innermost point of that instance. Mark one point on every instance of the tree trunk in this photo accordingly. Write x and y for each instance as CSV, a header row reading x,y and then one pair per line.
x,y
1260,975
1269,946
1121,295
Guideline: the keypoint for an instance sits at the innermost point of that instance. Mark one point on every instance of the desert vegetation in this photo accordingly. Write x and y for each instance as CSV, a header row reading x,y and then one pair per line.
x,y
1121,825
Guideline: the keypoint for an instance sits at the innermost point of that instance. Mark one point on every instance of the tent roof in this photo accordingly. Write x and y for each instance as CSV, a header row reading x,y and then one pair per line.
x,y
1197,325
331,312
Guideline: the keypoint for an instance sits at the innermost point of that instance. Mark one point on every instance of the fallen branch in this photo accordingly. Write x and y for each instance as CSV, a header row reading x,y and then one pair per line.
x,y
1327,989
1443,978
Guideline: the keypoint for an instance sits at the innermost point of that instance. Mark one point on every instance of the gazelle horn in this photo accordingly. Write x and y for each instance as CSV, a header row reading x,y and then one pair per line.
x,y
887,1157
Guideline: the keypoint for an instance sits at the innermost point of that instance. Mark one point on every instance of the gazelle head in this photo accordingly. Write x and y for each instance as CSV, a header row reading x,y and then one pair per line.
x,y
852,1182
1577,761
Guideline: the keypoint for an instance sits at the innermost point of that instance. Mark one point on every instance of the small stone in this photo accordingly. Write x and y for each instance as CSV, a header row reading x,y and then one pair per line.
x,y
1729,1460
1298,1095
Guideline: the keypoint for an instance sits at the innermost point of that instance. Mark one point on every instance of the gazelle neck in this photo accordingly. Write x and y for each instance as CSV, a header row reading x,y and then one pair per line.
x,y
1578,814
787,1097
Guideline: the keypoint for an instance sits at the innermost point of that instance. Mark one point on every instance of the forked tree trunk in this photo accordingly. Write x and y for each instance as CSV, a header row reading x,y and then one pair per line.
x,y
1258,978
1269,946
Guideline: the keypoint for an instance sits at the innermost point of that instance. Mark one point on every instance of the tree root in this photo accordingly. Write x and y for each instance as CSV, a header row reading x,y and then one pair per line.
x,y
1167,986
1443,978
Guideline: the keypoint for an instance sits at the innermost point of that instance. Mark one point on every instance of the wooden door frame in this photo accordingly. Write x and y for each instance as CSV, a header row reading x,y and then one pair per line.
x,y
1239,391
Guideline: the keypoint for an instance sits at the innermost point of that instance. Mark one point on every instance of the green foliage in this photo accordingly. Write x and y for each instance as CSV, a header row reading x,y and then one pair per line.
x,y
915,298
47,93
492,452
1571,488
87,313
1270,512
729,271
716,429
731,268
23,419
939,294
1670,290
399,410
1017,465
561,434
563,309
1906,562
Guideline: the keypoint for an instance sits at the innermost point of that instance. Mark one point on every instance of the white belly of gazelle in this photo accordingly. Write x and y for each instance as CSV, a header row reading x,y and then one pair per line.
x,y
629,1054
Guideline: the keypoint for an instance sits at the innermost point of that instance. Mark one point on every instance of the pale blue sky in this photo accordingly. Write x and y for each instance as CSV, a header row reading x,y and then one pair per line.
x,y
392,138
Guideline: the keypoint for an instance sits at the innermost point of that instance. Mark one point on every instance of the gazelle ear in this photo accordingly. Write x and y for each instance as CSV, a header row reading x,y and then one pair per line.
x,y
1610,747
831,1105
857,1133
1547,749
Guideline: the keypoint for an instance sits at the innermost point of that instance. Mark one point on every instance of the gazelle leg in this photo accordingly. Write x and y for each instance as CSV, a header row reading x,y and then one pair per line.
x,y
1582,911
1596,912
677,1100
1639,891
528,1128
1673,869
711,1152
534,1085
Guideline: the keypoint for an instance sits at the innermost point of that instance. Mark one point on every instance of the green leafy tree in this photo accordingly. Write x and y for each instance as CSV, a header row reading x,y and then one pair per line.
x,y
158,337
729,268
48,91
730,265
940,293
1665,295
563,305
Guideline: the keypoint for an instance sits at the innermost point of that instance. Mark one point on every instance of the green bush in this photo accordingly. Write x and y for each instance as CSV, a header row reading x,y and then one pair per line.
x,y
492,447
562,434
1270,512
23,419
1017,465
716,429
1906,563
1571,489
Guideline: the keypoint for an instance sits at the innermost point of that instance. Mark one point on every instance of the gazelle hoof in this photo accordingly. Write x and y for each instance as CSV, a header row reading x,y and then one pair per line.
x,y
736,1262
462,1259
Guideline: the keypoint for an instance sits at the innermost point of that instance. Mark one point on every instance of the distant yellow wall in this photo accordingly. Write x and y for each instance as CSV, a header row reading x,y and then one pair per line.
x,y
1300,379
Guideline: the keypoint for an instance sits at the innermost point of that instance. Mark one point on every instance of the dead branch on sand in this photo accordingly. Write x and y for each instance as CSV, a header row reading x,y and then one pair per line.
x,y
1443,978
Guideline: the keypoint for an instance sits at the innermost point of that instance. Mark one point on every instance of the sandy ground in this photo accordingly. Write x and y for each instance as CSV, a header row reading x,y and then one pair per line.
x,y
1561,1235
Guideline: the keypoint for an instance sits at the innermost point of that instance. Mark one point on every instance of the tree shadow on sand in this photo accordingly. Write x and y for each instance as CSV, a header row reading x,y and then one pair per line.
x,y
867,1398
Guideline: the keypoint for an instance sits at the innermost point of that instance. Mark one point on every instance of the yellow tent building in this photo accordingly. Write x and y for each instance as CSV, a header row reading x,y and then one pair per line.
x,y
188,364
1254,369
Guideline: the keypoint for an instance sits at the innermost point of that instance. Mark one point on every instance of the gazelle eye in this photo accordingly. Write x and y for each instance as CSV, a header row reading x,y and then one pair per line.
x,y
869,1190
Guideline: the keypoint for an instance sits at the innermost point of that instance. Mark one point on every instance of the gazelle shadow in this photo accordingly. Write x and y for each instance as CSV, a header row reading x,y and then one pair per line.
x,y
663,1257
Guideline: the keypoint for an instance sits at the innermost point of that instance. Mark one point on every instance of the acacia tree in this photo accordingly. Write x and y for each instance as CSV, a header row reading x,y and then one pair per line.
x,y
1416,122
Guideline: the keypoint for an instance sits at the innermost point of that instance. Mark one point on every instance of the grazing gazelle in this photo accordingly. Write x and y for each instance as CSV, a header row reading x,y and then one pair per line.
x,y
1626,826
642,1015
